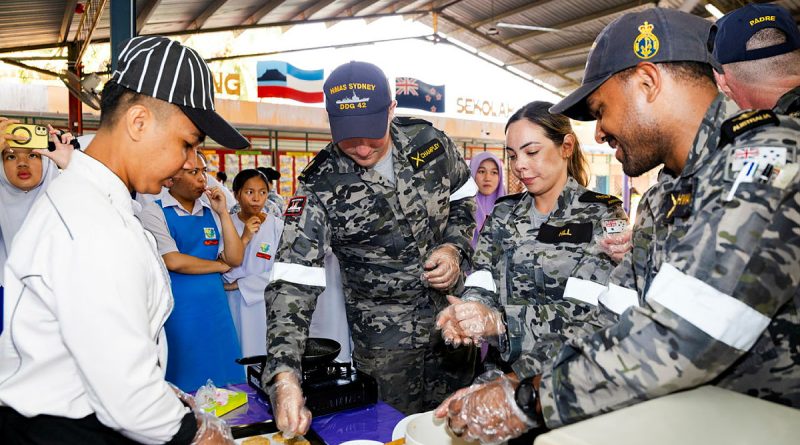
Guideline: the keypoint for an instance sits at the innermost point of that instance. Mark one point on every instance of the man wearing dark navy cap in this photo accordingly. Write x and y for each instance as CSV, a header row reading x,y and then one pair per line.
x,y
393,198
758,46
710,292
83,354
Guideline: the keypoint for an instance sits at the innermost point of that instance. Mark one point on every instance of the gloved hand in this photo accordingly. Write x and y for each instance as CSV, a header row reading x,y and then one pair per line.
x,y
616,245
487,412
211,430
289,405
469,322
443,267
187,399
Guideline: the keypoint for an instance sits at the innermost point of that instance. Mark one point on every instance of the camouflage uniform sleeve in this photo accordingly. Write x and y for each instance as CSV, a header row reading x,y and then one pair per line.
x,y
461,219
483,282
712,299
536,332
298,277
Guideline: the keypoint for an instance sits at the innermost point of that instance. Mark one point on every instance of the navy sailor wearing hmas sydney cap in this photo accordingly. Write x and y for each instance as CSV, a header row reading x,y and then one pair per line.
x,y
394,200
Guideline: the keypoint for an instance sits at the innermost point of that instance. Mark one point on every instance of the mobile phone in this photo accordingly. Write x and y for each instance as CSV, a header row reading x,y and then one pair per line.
x,y
29,136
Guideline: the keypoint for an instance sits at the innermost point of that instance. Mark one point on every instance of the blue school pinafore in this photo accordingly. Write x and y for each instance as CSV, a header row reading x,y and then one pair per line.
x,y
200,332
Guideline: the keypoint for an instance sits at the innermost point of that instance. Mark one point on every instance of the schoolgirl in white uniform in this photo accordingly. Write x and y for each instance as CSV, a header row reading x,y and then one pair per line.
x,y
260,232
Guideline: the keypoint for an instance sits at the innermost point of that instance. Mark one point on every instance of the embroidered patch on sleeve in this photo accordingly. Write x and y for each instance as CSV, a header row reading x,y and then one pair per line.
x,y
295,206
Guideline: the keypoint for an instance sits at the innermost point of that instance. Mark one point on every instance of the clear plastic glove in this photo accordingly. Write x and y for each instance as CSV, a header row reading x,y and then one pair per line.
x,y
486,412
211,430
616,245
289,405
442,267
469,322
184,397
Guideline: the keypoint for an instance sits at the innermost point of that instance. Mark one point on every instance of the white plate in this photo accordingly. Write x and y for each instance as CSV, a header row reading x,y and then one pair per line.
x,y
400,429
361,442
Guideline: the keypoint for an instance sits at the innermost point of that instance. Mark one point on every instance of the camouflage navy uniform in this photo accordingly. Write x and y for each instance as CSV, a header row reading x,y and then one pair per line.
x,y
789,103
523,269
382,235
718,285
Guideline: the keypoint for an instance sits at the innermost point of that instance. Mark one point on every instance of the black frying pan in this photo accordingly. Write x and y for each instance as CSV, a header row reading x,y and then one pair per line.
x,y
319,351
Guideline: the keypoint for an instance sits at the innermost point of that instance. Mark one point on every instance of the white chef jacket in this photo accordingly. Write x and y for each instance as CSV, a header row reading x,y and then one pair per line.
x,y
86,299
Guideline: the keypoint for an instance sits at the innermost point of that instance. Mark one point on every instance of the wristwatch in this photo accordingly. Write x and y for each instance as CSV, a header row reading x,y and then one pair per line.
x,y
526,396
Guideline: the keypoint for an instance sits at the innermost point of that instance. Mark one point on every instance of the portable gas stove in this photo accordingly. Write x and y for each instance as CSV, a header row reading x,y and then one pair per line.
x,y
328,387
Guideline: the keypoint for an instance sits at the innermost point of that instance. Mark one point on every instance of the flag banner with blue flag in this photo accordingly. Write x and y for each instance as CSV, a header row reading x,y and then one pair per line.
x,y
282,79
414,93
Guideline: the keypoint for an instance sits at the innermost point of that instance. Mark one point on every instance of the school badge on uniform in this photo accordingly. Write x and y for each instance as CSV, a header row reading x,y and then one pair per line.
x,y
263,251
210,234
646,44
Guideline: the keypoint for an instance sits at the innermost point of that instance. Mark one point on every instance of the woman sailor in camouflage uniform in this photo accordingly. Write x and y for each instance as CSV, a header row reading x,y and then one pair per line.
x,y
534,241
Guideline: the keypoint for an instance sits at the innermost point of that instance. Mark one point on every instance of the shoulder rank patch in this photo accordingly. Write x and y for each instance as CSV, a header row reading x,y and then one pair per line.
x,y
295,206
425,154
679,203
512,197
744,122
406,121
568,233
313,166
590,196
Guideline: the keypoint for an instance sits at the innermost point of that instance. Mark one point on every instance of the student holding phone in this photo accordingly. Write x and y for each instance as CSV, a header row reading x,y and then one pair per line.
x,y
25,175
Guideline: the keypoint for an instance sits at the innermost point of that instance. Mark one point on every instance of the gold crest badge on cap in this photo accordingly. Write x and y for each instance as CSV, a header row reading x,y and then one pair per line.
x,y
646,44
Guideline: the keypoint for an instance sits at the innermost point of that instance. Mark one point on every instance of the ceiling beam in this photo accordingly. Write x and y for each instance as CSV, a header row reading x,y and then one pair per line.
x,y
513,11
515,52
66,20
350,11
309,12
396,6
261,12
145,13
572,69
580,20
573,50
201,19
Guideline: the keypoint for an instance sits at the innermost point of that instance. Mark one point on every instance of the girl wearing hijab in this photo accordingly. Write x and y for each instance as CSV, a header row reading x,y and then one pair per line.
x,y
534,242
260,233
487,171
24,177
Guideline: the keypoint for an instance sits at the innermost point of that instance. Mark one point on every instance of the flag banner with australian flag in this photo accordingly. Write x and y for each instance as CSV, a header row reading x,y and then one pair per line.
x,y
414,93
282,79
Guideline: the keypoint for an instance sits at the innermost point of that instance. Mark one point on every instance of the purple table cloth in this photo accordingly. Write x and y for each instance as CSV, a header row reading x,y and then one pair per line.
x,y
372,422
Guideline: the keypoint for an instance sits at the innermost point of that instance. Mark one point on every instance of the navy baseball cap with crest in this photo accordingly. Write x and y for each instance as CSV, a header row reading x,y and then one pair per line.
x,y
357,98
737,27
654,35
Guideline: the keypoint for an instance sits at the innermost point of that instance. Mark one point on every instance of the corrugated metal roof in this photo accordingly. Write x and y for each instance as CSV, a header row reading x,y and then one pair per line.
x,y
555,57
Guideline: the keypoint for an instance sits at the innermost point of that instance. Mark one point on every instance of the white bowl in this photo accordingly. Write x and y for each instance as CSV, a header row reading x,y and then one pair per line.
x,y
427,430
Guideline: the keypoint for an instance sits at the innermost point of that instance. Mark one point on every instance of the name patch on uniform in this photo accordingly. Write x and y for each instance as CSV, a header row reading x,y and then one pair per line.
x,y
425,154
263,251
679,203
568,233
210,235
590,196
742,123
295,206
